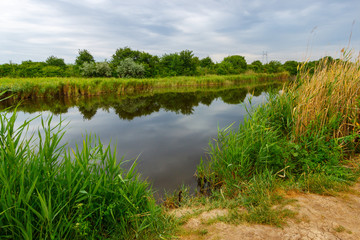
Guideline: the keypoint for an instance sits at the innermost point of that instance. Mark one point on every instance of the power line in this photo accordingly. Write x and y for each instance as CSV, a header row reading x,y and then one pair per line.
x,y
265,56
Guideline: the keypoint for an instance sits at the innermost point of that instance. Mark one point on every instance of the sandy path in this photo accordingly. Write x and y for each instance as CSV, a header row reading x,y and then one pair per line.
x,y
319,217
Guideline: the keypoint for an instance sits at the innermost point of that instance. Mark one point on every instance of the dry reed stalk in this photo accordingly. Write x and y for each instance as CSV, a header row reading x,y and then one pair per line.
x,y
331,94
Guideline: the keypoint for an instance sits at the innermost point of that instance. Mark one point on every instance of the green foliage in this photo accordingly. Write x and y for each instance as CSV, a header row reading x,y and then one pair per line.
x,y
256,66
183,63
98,69
291,67
237,62
170,64
88,69
188,63
8,70
30,69
52,71
48,192
123,53
51,88
224,68
179,64
273,67
84,57
102,69
265,145
149,62
207,63
129,69
56,62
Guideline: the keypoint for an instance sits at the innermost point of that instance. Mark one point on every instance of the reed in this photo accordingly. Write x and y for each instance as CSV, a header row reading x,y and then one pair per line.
x,y
22,88
329,97
50,192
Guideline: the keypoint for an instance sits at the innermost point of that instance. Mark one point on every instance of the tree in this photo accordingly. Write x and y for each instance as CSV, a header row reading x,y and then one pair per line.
x,y
123,53
207,63
273,67
30,69
178,64
56,62
170,64
84,57
187,63
224,68
256,66
238,63
148,61
8,70
291,67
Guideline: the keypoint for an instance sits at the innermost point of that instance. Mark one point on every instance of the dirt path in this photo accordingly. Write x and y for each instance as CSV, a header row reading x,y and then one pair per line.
x,y
319,217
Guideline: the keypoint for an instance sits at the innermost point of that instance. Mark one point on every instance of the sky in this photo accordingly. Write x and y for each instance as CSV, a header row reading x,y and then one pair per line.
x,y
285,30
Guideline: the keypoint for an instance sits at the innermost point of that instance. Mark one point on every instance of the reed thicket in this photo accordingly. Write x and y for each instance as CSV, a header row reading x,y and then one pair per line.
x,y
330,97
50,192
22,88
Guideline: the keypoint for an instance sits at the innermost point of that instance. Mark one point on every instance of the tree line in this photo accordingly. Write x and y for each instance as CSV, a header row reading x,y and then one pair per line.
x,y
127,63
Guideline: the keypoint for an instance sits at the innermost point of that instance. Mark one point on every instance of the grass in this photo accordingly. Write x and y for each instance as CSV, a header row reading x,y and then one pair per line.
x,y
300,139
51,192
22,88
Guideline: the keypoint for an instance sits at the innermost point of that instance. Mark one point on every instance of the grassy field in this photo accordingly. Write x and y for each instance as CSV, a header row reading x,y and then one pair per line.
x,y
22,88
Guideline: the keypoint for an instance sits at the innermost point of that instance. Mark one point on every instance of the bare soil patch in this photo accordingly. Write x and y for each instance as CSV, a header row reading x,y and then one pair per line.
x,y
318,217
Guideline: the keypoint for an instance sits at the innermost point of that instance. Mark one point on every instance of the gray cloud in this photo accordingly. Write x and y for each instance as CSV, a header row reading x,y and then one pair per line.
x,y
36,29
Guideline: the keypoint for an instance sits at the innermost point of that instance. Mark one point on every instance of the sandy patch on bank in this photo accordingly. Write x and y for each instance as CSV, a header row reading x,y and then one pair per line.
x,y
319,217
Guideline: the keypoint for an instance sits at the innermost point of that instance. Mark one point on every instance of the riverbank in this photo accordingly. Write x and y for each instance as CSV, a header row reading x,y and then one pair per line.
x,y
25,88
303,140
315,217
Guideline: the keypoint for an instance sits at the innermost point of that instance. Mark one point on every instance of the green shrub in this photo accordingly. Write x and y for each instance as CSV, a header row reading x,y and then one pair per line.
x,y
98,69
129,69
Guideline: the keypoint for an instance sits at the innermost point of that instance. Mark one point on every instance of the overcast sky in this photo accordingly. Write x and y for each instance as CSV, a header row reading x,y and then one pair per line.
x,y
286,30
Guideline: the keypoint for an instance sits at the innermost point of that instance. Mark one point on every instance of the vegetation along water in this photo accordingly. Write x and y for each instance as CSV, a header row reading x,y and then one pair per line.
x,y
301,139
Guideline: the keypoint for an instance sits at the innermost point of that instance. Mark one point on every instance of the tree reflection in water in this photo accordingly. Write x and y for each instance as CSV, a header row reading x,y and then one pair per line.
x,y
130,107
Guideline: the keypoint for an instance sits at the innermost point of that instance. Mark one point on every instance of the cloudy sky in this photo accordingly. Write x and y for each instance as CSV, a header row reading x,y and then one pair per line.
x,y
286,30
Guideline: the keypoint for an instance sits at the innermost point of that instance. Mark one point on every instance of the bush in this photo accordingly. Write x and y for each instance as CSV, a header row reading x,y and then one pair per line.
x,y
52,71
129,69
92,69
102,69
88,69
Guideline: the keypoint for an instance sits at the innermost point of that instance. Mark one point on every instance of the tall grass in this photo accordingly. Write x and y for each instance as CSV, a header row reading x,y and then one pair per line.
x,y
22,88
301,137
50,192
329,97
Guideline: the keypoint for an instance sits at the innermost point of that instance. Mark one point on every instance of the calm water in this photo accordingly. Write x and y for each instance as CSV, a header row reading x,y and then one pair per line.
x,y
168,132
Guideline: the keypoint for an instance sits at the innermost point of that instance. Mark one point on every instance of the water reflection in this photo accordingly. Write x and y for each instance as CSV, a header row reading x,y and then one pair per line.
x,y
130,107
170,131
